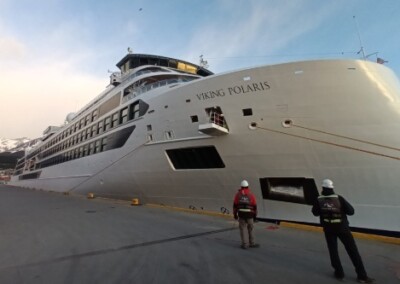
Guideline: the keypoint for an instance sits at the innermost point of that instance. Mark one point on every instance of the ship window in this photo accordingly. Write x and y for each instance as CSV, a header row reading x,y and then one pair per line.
x,y
88,132
149,128
194,118
195,158
100,127
88,118
172,63
247,111
103,144
169,135
150,137
115,119
95,113
187,68
124,115
85,150
107,123
188,100
97,146
295,190
134,111
94,130
91,148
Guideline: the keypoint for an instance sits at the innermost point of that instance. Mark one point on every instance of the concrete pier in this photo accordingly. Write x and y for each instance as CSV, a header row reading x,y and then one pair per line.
x,y
54,238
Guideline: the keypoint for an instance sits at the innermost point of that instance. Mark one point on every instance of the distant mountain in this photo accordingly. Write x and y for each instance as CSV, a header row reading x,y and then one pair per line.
x,y
13,149
13,145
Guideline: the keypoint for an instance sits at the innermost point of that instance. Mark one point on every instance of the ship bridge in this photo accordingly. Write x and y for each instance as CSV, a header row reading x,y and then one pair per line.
x,y
131,61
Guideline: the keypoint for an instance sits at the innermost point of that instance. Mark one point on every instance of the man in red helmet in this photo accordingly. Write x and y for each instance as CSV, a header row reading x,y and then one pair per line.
x,y
245,209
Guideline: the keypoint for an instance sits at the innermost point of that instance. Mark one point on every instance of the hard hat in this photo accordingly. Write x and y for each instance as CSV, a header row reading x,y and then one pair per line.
x,y
244,183
327,183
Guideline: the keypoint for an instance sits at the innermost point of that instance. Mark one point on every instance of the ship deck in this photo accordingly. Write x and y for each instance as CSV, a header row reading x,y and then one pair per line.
x,y
53,238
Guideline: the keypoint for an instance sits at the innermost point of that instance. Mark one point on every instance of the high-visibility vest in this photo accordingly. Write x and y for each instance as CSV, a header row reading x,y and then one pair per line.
x,y
244,203
330,208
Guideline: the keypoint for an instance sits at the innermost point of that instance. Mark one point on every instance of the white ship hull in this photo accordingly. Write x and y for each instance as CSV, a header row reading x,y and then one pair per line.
x,y
303,118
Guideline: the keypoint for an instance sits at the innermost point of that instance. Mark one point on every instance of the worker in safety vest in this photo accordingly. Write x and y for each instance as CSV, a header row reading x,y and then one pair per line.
x,y
333,210
245,209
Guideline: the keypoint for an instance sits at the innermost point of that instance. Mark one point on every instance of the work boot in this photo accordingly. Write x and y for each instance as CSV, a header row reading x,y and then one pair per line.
x,y
244,246
339,275
254,245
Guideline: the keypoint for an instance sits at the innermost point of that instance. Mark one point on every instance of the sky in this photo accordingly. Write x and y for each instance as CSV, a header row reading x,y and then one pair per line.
x,y
56,55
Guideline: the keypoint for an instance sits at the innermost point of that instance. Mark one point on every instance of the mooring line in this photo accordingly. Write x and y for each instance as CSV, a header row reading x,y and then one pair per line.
x,y
330,143
108,166
345,137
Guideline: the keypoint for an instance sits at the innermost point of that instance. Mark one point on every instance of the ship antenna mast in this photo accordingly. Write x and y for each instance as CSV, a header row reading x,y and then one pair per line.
x,y
359,39
203,63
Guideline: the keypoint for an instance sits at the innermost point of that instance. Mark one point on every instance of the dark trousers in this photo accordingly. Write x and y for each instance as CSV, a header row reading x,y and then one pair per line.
x,y
347,239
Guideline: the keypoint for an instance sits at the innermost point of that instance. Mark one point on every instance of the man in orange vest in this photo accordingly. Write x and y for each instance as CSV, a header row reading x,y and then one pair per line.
x,y
333,210
245,209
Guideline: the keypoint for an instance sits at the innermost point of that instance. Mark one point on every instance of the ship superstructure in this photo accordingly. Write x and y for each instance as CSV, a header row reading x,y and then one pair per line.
x,y
171,132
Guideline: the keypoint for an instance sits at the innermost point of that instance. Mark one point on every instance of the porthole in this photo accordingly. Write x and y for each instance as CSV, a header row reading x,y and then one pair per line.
x,y
287,123
253,125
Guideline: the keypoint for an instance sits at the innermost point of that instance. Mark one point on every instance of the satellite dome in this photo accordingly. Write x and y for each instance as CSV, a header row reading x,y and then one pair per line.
x,y
70,117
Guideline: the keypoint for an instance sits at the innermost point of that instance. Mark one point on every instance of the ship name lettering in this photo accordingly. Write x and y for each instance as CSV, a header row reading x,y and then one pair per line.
x,y
243,89
211,94
234,90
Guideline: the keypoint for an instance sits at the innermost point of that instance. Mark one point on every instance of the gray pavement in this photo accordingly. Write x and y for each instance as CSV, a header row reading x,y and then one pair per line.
x,y
54,238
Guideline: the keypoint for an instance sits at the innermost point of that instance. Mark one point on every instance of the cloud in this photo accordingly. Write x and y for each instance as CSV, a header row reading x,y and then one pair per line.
x,y
11,49
34,97
44,78
258,28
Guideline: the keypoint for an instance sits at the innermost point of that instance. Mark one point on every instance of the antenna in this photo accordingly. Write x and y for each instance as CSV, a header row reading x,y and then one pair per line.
x,y
203,63
359,38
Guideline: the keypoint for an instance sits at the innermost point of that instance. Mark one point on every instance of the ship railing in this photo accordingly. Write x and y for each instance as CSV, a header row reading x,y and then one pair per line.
x,y
218,119
143,89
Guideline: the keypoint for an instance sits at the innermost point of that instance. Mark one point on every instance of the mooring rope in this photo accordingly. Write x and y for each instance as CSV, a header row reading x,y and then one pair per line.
x,y
345,137
108,166
330,143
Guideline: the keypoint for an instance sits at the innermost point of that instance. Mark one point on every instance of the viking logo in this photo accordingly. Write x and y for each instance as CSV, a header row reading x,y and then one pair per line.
x,y
244,200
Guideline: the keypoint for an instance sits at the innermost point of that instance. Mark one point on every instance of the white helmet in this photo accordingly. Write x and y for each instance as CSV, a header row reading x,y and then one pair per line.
x,y
244,183
327,183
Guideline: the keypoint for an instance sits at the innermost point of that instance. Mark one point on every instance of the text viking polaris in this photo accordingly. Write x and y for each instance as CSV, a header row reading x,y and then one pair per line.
x,y
170,132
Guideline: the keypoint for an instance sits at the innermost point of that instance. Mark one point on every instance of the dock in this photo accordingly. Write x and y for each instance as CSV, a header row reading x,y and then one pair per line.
x,y
48,237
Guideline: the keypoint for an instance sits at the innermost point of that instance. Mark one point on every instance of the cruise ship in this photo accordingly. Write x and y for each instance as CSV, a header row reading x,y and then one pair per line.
x,y
170,132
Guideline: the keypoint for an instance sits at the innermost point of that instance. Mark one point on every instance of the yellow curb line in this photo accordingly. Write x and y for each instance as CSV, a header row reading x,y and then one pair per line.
x,y
390,240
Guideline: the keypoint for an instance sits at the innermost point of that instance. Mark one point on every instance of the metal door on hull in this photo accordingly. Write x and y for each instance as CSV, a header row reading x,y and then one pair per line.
x,y
289,189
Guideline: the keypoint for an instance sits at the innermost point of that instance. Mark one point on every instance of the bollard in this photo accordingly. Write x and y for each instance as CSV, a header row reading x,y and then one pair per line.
x,y
135,202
